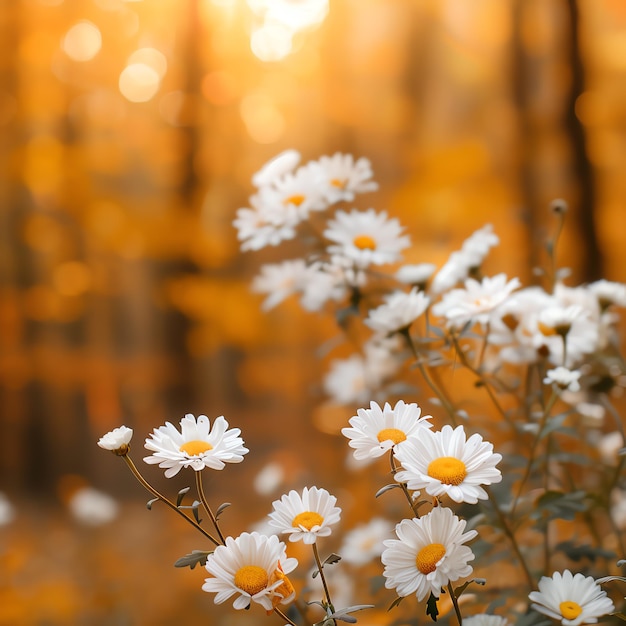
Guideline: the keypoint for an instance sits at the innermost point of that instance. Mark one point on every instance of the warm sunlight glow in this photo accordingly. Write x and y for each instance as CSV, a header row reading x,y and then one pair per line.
x,y
139,82
82,41
277,23
150,57
264,122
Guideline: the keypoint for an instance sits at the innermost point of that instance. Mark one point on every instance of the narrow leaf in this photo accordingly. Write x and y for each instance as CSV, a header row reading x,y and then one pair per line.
x,y
331,559
396,602
181,495
149,503
221,508
386,488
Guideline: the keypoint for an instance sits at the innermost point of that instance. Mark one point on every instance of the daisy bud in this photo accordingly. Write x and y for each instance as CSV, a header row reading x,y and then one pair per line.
x,y
117,440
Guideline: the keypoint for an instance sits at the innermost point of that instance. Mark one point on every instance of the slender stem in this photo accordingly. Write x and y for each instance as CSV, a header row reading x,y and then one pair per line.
x,y
509,533
533,450
427,377
206,506
161,497
283,616
455,603
405,489
320,569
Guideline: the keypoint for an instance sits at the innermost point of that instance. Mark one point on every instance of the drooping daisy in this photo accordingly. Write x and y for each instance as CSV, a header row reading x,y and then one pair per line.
x,y
484,619
197,445
254,567
571,598
399,311
563,378
118,440
376,430
475,302
427,554
366,237
365,541
346,177
305,516
444,462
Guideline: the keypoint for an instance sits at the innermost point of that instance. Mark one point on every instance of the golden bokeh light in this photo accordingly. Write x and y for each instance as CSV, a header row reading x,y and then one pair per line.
x,y
83,41
139,82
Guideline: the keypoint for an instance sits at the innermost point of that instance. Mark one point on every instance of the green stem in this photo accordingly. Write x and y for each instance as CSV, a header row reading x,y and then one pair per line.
x,y
455,603
320,569
533,450
206,506
283,616
511,536
163,499
405,489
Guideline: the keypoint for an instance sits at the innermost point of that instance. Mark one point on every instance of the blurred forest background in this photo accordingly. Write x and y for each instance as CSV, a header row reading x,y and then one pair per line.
x,y
129,131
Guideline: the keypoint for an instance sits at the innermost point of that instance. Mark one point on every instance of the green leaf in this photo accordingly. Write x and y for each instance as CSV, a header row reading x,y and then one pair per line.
x,y
396,602
221,508
387,488
553,505
181,495
331,559
459,590
197,557
431,607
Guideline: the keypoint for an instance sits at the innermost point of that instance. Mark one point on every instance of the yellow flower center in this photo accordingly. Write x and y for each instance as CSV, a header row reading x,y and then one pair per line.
x,y
337,182
297,199
251,579
447,469
570,609
308,519
391,434
364,242
428,557
545,330
195,447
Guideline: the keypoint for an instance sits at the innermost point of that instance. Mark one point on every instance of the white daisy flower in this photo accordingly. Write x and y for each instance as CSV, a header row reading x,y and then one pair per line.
x,y
428,554
476,301
358,378
376,430
563,378
197,445
279,281
608,293
477,245
415,274
305,516
399,311
300,191
261,226
365,541
92,507
254,567
346,177
366,237
444,462
558,320
275,168
484,619
322,282
571,598
117,440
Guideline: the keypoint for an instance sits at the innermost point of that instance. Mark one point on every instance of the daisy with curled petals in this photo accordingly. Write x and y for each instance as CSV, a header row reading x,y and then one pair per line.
x,y
571,598
444,462
197,445
376,430
366,237
253,567
118,440
428,554
305,516
398,312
